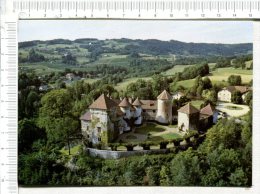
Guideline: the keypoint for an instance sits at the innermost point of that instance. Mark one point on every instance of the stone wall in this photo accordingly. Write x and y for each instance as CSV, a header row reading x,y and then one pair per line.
x,y
107,154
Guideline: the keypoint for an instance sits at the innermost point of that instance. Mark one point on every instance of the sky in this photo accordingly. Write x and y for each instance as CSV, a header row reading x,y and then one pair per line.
x,y
186,31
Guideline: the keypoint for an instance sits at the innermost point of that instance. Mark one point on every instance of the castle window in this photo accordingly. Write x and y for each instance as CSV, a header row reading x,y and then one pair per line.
x,y
87,136
87,128
99,129
99,139
153,111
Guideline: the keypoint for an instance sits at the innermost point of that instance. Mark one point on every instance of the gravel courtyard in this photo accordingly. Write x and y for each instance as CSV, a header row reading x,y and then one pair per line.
x,y
237,111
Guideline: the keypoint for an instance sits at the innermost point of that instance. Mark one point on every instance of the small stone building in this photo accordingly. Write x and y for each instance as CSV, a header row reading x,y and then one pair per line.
x,y
208,116
188,118
177,95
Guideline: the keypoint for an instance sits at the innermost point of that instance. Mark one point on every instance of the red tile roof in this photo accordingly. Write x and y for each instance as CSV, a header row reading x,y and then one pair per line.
x,y
137,102
207,110
124,103
242,89
86,116
164,95
188,109
149,104
103,103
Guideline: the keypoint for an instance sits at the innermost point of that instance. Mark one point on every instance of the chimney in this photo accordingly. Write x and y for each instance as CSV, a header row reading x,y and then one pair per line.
x,y
130,100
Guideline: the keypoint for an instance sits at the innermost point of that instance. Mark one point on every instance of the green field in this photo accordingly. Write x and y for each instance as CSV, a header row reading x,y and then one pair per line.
x,y
221,75
123,85
176,69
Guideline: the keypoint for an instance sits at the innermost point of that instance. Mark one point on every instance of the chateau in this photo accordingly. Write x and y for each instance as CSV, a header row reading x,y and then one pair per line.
x,y
107,118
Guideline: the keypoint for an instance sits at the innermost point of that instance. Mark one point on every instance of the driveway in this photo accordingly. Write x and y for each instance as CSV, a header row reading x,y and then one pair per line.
x,y
241,109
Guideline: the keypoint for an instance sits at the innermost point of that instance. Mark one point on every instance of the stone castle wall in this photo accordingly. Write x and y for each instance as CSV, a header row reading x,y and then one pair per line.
x,y
107,154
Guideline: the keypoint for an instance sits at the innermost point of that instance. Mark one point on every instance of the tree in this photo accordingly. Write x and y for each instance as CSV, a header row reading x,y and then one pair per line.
x,y
32,104
210,95
69,59
185,169
234,80
28,132
207,83
248,98
56,117
35,57
236,97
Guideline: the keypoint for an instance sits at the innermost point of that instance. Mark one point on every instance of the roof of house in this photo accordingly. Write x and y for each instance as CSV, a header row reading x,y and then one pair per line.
x,y
164,95
242,89
103,103
124,103
86,116
137,102
207,110
149,104
188,109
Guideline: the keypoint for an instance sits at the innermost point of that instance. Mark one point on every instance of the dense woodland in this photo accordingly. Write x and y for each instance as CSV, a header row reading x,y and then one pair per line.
x,y
49,120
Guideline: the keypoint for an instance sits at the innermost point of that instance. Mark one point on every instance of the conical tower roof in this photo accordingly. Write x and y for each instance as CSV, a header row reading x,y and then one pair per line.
x,y
188,109
207,110
137,102
103,103
164,96
124,103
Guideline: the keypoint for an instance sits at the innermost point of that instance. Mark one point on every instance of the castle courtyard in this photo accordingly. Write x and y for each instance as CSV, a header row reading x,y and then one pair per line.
x,y
150,132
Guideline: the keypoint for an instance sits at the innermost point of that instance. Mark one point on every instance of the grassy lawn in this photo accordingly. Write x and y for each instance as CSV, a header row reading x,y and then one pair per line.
x,y
170,135
131,137
234,108
73,151
151,128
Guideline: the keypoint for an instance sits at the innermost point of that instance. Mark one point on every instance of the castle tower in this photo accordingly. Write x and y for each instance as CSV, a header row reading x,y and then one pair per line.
x,y
125,108
188,118
164,108
138,112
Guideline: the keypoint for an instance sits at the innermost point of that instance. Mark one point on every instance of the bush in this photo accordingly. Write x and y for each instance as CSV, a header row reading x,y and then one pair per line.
x,y
129,146
177,141
113,146
163,144
146,145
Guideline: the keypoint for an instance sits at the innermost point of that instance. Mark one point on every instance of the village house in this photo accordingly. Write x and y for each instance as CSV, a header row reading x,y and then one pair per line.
x,y
225,94
177,95
107,118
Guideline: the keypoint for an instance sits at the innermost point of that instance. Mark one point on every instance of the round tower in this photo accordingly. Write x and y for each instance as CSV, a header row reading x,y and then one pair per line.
x,y
138,112
125,108
164,108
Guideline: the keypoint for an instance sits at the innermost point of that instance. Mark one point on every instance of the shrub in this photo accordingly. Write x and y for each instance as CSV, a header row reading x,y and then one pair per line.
x,y
129,146
113,146
163,144
177,141
146,145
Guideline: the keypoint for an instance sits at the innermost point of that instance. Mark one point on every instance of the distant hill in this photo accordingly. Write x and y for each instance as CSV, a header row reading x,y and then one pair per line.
x,y
150,46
